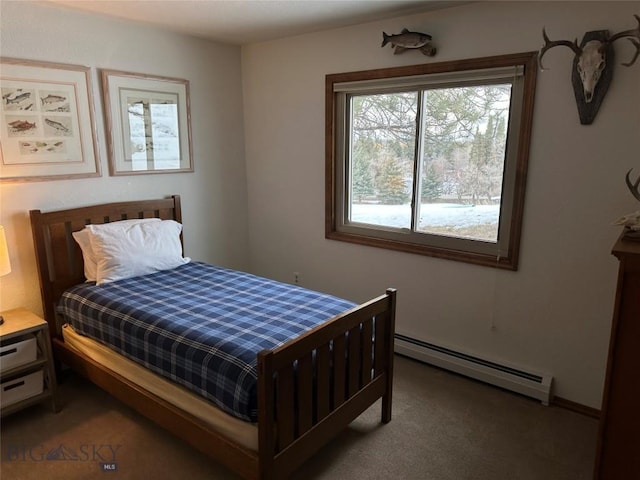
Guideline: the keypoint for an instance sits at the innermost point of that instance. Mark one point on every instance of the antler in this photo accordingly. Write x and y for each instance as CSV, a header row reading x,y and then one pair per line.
x,y
631,35
633,188
550,44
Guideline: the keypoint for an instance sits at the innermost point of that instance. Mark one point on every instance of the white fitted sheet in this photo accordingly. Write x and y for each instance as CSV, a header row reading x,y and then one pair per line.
x,y
241,432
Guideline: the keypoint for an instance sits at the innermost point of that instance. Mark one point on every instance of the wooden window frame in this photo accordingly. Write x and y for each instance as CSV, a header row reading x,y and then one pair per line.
x,y
505,259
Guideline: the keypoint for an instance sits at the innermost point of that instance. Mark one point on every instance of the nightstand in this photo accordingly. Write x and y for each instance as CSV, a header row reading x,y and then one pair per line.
x,y
27,374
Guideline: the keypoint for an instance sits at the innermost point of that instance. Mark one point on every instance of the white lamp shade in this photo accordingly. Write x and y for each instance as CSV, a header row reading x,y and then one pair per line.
x,y
5,264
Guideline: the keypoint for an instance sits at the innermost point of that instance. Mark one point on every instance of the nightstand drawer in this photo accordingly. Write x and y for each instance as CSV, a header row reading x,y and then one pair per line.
x,y
19,353
17,389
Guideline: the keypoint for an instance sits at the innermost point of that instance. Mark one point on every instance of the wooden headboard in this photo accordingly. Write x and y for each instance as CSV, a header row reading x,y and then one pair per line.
x,y
59,257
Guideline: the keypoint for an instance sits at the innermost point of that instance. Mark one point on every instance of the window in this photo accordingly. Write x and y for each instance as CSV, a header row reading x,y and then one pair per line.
x,y
431,159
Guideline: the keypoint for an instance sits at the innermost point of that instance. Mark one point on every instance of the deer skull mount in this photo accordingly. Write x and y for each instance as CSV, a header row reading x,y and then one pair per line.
x,y
634,188
592,66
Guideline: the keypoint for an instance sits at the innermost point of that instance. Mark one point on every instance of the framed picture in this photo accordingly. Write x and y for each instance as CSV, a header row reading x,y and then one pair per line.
x,y
47,129
148,123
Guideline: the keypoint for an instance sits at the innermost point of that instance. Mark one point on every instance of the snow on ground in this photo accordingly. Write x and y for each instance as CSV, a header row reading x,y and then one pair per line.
x,y
432,214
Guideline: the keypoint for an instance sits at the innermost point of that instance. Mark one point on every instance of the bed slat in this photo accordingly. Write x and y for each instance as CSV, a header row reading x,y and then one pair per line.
x,y
305,393
285,407
367,352
61,260
354,361
339,374
323,382
378,359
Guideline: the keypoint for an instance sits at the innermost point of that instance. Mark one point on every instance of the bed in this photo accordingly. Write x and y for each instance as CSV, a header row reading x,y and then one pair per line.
x,y
308,389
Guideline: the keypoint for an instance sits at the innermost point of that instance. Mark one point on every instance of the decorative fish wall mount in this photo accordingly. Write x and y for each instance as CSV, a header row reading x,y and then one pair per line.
x,y
407,40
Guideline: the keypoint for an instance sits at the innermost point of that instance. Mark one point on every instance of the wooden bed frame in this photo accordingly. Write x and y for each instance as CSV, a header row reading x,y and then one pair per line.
x,y
309,389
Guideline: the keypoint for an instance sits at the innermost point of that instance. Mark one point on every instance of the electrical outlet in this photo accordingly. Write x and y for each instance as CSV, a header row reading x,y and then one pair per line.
x,y
296,278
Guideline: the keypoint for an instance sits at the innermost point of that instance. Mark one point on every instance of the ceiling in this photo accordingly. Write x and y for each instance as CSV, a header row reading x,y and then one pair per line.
x,y
240,22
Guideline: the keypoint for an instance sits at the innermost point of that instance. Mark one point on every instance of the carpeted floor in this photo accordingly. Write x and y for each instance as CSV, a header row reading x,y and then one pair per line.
x,y
444,427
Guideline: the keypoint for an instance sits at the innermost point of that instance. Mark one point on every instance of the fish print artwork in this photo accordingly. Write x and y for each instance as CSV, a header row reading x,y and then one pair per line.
x,y
58,126
47,129
54,101
42,147
20,126
18,99
408,40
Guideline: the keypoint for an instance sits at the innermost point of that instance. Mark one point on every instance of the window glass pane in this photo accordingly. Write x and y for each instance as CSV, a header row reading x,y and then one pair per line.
x,y
382,152
462,161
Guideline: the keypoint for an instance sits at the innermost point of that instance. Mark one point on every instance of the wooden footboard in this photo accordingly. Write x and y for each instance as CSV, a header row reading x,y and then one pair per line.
x,y
314,386
309,389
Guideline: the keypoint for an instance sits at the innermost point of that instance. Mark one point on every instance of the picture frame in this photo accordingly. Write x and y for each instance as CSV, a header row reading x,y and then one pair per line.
x,y
148,120
47,129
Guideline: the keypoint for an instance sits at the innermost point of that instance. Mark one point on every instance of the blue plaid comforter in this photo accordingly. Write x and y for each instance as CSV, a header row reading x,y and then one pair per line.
x,y
199,325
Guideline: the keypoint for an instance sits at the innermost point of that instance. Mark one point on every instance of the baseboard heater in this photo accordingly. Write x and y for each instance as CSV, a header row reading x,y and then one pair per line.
x,y
533,385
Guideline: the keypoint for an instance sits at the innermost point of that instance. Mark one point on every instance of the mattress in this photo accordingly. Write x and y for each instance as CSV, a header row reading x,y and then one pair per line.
x,y
243,433
199,325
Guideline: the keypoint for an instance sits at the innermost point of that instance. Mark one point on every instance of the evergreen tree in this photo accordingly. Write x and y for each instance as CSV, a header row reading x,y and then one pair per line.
x,y
391,184
362,175
432,185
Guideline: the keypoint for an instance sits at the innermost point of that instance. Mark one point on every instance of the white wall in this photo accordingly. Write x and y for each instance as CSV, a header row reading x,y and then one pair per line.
x,y
214,197
552,315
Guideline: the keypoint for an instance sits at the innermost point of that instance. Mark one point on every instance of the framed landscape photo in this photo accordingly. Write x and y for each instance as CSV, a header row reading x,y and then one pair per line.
x,y
148,123
47,129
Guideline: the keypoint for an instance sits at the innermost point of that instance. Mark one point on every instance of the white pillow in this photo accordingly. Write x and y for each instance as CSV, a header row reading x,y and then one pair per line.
x,y
125,250
88,256
90,267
